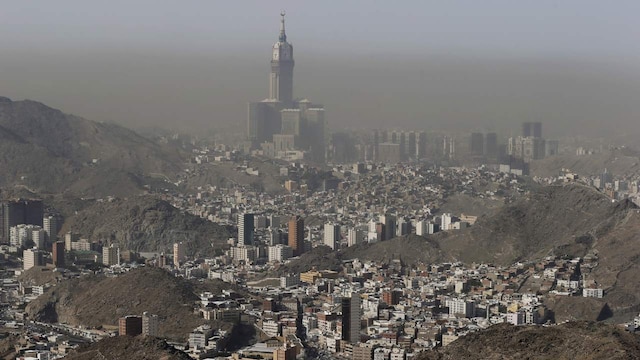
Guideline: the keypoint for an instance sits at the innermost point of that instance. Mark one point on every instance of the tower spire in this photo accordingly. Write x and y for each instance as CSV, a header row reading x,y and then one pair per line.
x,y
283,36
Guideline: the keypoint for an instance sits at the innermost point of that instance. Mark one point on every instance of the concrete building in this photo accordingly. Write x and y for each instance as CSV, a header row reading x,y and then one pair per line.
x,y
246,228
130,325
289,281
178,254
279,252
445,221
362,352
58,254
51,225
69,239
27,235
389,227
16,212
31,257
351,318
150,324
331,235
476,146
296,235
111,255
244,253
355,236
532,129
461,307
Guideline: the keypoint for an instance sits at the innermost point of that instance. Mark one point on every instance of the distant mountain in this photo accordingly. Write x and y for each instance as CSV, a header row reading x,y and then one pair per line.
x,y
99,300
574,340
128,347
145,223
48,151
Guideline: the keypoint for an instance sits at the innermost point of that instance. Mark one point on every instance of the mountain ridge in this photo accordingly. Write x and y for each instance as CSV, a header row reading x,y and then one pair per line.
x,y
50,151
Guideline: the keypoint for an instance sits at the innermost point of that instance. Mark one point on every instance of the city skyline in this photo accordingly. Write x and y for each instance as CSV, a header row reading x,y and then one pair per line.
x,y
424,65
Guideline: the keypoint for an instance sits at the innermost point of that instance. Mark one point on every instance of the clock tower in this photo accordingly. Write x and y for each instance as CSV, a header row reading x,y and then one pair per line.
x,y
281,78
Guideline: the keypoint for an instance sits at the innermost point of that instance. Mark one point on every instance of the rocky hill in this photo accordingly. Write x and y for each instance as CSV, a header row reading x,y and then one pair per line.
x,y
616,161
574,340
95,301
127,347
410,249
560,220
48,151
145,223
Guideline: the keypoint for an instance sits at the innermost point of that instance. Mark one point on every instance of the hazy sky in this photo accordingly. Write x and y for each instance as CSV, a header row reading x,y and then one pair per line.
x,y
193,65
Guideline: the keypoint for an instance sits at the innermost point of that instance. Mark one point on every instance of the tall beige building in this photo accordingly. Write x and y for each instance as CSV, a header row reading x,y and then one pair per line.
x,y
31,258
178,253
110,255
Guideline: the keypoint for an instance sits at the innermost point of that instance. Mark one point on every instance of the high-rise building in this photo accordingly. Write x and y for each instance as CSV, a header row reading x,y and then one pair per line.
x,y
130,325
279,252
532,129
38,236
354,237
331,235
17,212
389,222
281,78
279,125
150,324
351,318
26,235
296,235
491,144
110,255
69,239
58,254
421,145
178,253
476,146
31,258
51,225
246,228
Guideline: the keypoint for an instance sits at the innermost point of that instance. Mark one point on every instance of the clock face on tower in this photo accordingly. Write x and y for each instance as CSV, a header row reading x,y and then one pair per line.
x,y
276,54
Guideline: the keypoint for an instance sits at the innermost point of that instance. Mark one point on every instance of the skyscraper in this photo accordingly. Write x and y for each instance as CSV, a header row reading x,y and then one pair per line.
x,y
491,144
281,126
58,254
477,144
246,228
532,129
17,212
281,78
110,255
296,235
31,258
178,253
331,235
51,226
351,318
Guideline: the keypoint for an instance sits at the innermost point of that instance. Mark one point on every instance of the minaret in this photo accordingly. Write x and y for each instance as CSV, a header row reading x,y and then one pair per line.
x,y
281,78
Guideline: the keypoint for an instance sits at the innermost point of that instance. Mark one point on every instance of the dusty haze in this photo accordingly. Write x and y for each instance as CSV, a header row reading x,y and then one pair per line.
x,y
425,65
